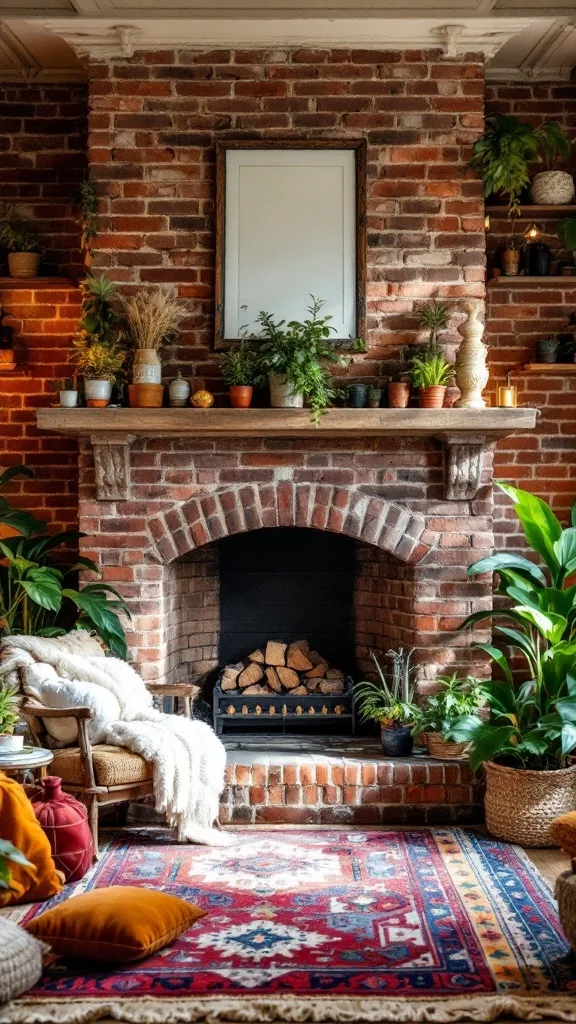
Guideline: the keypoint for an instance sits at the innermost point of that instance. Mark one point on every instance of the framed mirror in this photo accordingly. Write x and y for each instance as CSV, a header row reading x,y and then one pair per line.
x,y
290,223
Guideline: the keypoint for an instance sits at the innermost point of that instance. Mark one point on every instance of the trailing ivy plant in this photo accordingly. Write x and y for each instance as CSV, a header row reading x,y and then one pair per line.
x,y
34,595
89,202
533,724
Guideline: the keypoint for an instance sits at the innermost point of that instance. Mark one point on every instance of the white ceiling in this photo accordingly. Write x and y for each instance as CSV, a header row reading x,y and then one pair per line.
x,y
523,40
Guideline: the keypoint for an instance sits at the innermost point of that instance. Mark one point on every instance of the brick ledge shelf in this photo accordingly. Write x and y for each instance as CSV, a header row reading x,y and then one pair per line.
x,y
463,433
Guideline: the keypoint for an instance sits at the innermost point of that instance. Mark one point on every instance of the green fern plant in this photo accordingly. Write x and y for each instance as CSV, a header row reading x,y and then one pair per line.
x,y
431,370
435,319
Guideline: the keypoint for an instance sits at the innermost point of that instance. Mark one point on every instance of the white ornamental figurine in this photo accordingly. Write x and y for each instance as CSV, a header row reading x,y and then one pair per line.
x,y
471,369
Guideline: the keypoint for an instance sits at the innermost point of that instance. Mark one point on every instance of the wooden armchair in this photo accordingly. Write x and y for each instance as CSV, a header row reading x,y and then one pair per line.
x,y
100,774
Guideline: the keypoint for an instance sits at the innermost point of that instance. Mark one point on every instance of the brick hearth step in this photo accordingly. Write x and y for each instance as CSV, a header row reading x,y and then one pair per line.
x,y
339,781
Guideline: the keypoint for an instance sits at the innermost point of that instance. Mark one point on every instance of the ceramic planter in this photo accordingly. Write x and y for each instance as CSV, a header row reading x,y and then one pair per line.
x,y
547,352
397,742
398,394
147,367
432,397
23,264
552,188
241,396
281,396
178,392
147,396
357,396
511,262
10,744
7,359
98,393
68,399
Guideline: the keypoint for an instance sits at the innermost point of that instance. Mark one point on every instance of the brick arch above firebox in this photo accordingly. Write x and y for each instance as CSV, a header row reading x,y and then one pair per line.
x,y
339,509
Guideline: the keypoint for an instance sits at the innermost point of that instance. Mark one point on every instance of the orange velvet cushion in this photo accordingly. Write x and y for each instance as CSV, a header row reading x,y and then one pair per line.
x,y
563,832
121,923
18,824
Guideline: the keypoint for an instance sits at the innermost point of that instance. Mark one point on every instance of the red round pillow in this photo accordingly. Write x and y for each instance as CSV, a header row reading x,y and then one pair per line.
x,y
65,822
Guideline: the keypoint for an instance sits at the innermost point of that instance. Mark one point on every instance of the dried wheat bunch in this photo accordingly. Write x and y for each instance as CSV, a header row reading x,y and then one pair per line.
x,y
152,315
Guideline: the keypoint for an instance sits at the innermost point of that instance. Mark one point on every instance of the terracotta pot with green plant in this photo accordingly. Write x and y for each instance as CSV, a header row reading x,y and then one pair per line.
x,y
239,370
20,238
391,703
9,717
292,358
438,713
431,374
526,744
37,597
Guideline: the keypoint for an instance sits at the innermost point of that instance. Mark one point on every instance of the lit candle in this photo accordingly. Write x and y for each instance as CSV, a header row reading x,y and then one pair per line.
x,y
507,394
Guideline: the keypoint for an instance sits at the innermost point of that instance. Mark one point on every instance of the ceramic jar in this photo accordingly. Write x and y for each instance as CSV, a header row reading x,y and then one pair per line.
x,y
281,395
357,396
178,391
552,188
68,399
147,367
97,393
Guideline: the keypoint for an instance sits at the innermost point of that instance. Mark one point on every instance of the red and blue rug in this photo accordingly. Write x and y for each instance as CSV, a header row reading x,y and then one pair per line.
x,y
328,925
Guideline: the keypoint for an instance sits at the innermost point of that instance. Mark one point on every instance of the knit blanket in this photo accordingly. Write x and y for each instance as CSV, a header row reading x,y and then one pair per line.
x,y
187,757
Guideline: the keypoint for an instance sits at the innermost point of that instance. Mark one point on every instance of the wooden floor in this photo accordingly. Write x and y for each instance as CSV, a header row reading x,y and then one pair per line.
x,y
550,863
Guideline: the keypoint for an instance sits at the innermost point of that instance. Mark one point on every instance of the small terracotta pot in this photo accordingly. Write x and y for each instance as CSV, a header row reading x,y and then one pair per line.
x,y
23,264
7,359
241,396
432,397
147,396
398,394
511,262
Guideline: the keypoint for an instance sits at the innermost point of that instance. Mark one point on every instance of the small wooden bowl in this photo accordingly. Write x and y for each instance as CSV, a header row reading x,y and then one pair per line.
x,y
146,396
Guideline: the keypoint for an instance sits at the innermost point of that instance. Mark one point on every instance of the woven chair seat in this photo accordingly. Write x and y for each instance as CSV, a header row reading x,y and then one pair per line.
x,y
113,766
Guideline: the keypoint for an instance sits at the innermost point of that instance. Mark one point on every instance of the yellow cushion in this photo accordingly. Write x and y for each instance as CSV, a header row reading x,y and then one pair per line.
x,y
563,832
120,923
18,824
113,766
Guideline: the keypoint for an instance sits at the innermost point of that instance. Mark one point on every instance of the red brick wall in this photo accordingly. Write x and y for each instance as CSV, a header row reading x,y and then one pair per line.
x,y
42,161
43,319
517,317
155,117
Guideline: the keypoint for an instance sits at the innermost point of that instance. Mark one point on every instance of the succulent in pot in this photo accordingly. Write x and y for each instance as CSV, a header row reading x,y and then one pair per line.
x,y
9,717
548,350
525,745
19,236
438,713
391,703
431,374
239,370
374,397
152,317
292,358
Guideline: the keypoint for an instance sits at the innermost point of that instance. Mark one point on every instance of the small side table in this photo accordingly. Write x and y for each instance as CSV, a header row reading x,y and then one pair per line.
x,y
19,767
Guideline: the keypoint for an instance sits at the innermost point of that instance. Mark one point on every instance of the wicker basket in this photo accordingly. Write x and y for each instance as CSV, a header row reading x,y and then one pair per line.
x,y
444,749
521,805
566,895
552,188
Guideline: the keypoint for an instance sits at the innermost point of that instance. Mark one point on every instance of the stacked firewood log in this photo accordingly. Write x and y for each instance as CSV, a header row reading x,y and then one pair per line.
x,y
280,668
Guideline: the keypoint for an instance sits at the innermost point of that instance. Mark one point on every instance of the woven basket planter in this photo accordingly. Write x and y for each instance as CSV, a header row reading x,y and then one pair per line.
x,y
521,805
552,188
565,893
444,749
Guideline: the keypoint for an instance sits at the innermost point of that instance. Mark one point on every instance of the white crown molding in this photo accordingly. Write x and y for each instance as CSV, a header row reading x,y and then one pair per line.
x,y
103,38
503,75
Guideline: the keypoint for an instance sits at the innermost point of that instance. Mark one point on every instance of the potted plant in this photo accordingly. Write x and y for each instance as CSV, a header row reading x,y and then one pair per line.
x,y
391,704
9,717
511,256
98,363
552,187
439,712
152,317
35,595
548,350
526,743
20,238
291,358
566,231
67,393
374,397
434,318
239,370
431,373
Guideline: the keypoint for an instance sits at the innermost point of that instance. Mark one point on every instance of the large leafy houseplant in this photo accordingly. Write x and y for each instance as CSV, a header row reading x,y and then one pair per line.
x,y
532,724
34,595
296,353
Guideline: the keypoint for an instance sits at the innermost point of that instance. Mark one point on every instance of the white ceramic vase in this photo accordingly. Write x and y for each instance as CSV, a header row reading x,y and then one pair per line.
x,y
147,367
68,399
178,391
281,395
471,369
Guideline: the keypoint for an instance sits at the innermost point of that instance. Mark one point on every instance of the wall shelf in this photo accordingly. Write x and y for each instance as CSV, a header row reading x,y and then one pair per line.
x,y
558,368
569,281
530,212
34,283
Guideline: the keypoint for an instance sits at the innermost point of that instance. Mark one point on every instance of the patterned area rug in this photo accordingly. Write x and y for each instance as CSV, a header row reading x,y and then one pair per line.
x,y
411,925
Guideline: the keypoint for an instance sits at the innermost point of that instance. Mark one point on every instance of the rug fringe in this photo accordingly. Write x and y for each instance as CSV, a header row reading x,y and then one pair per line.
x,y
290,1010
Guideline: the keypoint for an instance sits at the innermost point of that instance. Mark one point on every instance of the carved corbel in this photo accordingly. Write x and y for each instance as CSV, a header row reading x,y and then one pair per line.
x,y
112,465
463,456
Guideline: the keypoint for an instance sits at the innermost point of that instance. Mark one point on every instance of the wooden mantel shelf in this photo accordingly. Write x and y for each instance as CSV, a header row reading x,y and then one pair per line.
x,y
463,433
285,422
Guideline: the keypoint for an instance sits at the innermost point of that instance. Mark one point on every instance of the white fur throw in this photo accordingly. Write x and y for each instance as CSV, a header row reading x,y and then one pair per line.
x,y
188,758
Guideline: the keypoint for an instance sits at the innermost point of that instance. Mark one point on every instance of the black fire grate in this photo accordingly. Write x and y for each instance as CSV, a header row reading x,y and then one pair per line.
x,y
281,710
